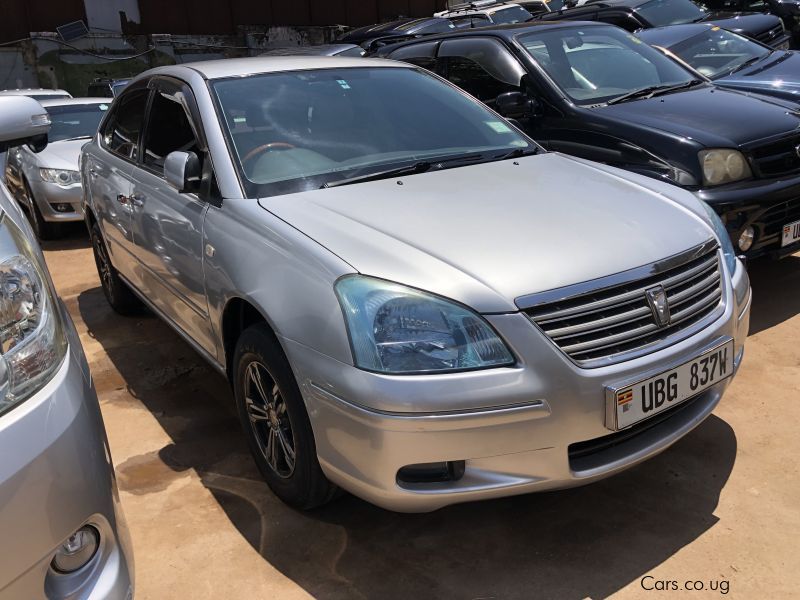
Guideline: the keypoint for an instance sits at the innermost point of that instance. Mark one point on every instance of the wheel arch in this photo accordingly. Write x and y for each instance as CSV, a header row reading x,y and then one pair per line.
x,y
239,314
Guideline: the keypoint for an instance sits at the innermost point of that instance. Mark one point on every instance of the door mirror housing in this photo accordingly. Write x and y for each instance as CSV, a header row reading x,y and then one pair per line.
x,y
23,121
182,171
516,105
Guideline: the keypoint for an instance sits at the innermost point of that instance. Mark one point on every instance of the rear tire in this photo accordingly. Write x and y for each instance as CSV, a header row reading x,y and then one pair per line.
x,y
275,421
119,295
44,230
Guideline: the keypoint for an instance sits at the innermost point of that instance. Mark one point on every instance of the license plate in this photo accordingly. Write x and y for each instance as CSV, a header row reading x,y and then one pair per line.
x,y
791,233
635,402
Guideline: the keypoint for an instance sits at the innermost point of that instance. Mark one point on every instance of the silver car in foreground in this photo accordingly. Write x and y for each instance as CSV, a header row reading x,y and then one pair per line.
x,y
47,183
64,532
411,299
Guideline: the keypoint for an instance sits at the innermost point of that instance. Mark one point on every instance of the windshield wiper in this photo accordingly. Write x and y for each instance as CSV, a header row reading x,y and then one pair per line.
x,y
518,153
652,90
749,62
413,169
77,137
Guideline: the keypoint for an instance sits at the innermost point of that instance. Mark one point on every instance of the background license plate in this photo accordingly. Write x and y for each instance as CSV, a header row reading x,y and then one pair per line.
x,y
791,233
646,398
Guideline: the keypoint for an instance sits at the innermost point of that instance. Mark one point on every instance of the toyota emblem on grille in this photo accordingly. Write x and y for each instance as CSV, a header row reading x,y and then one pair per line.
x,y
659,306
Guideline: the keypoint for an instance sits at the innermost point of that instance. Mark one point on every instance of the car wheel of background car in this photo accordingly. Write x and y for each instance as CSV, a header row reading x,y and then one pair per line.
x,y
44,230
117,292
275,421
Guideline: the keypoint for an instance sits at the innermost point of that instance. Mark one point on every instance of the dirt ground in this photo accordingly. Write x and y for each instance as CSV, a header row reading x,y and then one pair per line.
x,y
718,510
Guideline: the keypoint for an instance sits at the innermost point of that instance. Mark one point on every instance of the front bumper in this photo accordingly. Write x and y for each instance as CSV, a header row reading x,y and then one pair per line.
x,y
516,429
765,205
47,195
56,476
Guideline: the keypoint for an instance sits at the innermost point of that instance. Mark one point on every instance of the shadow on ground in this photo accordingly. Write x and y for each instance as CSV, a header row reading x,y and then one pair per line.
x,y
583,542
73,236
776,292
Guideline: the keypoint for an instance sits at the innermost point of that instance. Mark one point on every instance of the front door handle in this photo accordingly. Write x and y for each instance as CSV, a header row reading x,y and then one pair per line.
x,y
122,199
92,173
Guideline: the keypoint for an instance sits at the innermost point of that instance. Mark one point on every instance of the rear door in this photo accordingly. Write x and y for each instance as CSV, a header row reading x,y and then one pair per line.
x,y
106,173
167,224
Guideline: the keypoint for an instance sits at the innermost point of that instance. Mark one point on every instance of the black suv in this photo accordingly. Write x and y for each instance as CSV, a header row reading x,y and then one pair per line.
x,y
787,10
594,91
644,14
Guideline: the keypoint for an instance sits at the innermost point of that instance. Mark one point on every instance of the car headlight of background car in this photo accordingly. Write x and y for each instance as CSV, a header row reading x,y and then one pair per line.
x,y
723,165
396,329
32,341
724,238
62,177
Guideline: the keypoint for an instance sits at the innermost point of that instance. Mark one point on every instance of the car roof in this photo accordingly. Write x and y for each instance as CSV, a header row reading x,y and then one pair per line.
x,y
73,101
672,34
237,67
406,25
28,91
479,10
318,50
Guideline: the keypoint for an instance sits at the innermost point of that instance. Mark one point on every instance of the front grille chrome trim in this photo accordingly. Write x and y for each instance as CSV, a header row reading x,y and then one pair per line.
x,y
608,320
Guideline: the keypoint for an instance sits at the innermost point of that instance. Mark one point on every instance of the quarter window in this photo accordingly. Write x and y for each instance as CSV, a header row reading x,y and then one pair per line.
x,y
168,130
121,134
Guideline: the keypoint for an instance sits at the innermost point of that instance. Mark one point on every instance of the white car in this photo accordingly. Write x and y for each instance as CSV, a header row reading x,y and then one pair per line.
x,y
486,12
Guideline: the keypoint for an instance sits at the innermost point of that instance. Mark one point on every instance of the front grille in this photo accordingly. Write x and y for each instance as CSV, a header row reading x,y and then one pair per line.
x,y
765,37
610,322
775,217
777,158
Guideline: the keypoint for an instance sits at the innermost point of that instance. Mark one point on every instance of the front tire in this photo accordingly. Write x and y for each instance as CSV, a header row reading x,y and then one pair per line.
x,y
275,421
119,295
44,230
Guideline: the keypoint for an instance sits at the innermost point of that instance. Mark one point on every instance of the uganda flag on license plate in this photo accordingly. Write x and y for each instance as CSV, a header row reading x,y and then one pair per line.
x,y
624,398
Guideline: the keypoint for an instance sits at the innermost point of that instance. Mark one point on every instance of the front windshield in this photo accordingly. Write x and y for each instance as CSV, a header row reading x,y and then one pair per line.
x,y
671,12
74,121
298,130
512,14
596,64
718,52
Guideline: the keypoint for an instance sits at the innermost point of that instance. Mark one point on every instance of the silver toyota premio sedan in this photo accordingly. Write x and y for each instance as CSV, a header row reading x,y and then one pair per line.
x,y
411,299
47,183
60,515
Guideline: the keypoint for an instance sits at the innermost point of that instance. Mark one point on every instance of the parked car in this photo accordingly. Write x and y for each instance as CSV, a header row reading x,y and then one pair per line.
x,y
485,12
47,184
730,60
787,10
402,287
595,91
320,50
61,517
37,93
401,28
644,14
106,88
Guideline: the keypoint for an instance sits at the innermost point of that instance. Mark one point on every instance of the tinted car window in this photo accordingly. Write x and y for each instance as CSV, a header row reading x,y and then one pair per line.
x,y
442,26
168,130
422,55
473,78
512,14
100,91
74,121
121,133
48,96
671,12
299,130
718,52
600,63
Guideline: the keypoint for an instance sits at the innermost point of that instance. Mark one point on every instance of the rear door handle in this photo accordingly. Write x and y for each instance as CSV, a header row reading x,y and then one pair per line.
x,y
92,173
137,199
122,199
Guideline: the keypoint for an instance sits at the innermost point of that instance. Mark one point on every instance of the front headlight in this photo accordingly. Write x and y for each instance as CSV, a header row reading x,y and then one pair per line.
x,y
62,177
723,165
32,342
396,329
724,238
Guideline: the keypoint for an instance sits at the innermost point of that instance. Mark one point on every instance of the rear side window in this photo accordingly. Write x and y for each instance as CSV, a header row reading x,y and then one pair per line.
x,y
168,130
121,133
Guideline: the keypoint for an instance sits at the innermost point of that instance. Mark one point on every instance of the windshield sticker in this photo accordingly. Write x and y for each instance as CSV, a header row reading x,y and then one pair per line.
x,y
104,107
343,84
499,126
715,28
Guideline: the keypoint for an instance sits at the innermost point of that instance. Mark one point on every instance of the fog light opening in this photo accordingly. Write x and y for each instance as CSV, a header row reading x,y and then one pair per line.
x,y
432,472
77,551
746,238
62,207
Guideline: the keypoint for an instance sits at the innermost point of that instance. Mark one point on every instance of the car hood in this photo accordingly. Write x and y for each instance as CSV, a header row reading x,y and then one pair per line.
x,y
61,155
487,234
750,22
712,117
778,75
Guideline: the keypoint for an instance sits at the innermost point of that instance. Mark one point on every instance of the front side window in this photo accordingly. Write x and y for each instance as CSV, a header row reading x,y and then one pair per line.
x,y
121,133
717,52
74,121
300,130
470,76
512,14
660,13
168,130
598,64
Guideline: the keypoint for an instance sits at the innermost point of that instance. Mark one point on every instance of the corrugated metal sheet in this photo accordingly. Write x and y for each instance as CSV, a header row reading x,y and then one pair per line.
x,y
19,17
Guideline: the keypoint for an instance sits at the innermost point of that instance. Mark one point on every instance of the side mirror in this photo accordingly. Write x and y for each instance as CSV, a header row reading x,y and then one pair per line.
x,y
23,121
182,171
516,105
